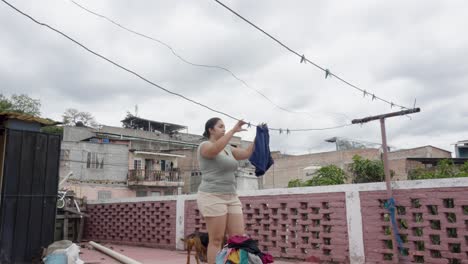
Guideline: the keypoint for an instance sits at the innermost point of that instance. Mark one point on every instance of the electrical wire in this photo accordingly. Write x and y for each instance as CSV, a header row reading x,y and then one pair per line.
x,y
304,59
114,22
287,131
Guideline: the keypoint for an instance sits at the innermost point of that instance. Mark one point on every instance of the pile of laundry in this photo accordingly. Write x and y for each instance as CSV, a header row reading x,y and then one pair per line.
x,y
242,250
62,252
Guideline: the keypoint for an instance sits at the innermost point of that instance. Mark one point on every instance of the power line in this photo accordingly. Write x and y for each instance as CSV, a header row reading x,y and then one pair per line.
x,y
152,83
303,59
192,63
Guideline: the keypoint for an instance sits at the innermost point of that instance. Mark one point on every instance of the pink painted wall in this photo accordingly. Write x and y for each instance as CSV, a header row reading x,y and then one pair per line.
x,y
291,226
150,224
433,224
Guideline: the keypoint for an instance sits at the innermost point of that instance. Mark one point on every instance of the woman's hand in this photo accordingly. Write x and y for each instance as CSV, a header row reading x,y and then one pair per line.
x,y
238,126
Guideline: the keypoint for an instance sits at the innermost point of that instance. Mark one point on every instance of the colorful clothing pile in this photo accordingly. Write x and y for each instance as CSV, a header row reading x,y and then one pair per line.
x,y
242,250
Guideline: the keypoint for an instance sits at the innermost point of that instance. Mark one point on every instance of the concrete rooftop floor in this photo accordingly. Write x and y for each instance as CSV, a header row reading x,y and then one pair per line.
x,y
144,255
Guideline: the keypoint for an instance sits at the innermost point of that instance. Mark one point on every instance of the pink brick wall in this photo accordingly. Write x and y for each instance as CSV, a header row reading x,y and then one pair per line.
x,y
433,224
150,224
291,226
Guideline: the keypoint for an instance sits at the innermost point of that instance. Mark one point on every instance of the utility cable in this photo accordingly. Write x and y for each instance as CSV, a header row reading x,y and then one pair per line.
x,y
118,24
287,131
303,59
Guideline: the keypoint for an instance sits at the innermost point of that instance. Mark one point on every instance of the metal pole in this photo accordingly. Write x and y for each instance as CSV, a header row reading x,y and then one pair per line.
x,y
122,258
389,187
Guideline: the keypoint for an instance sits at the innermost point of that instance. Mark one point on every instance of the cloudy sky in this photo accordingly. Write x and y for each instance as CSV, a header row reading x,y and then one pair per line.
x,y
399,50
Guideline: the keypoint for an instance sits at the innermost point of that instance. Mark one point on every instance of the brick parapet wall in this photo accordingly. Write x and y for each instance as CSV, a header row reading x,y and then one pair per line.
x,y
292,225
433,224
150,223
295,222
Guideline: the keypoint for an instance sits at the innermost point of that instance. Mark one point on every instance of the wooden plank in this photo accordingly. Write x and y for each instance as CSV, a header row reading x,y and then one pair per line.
x,y
9,190
65,226
38,183
69,217
50,190
74,211
24,199
80,229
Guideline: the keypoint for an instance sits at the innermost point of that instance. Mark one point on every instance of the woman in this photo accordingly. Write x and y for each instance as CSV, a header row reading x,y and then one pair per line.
x,y
217,199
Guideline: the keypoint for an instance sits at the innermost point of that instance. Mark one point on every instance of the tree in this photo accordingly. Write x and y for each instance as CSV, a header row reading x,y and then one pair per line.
x,y
5,104
72,116
365,170
445,169
20,104
327,175
295,183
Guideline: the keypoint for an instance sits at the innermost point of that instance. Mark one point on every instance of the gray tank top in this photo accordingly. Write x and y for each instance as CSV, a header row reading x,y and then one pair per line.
x,y
218,173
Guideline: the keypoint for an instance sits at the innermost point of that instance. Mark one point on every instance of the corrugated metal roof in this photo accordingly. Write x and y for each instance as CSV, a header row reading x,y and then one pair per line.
x,y
28,118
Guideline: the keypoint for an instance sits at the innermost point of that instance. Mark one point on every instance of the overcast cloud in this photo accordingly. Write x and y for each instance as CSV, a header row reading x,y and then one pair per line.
x,y
400,50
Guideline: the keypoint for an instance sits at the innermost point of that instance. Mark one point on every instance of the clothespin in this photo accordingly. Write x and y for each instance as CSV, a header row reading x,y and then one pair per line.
x,y
365,93
303,59
288,131
327,72
373,97
391,104
249,125
414,105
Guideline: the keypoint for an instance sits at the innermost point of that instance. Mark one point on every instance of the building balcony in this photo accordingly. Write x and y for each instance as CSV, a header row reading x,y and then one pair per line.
x,y
155,178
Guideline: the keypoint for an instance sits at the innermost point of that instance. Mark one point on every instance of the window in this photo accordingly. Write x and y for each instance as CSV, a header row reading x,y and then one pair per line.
x,y
140,193
137,164
104,195
94,161
155,193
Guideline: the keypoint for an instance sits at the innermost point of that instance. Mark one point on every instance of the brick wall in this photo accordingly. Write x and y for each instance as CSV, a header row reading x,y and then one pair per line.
x,y
291,226
337,224
433,224
150,224
421,152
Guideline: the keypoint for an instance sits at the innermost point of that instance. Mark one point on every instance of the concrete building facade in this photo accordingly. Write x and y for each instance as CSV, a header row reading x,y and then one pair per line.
x,y
114,162
289,167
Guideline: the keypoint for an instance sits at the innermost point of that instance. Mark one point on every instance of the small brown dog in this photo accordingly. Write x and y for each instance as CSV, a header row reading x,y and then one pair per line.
x,y
198,241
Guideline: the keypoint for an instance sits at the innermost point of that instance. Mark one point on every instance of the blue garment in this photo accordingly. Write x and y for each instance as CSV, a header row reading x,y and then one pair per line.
x,y
261,157
222,256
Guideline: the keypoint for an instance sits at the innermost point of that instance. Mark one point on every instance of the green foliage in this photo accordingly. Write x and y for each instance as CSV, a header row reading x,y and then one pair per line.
x,y
5,104
20,104
295,183
365,170
57,130
328,175
445,169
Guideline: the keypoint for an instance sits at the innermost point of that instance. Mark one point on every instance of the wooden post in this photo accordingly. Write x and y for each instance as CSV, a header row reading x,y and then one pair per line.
x,y
65,226
385,162
388,184
80,229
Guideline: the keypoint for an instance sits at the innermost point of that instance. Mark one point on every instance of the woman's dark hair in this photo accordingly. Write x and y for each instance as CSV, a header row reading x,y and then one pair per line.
x,y
211,123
